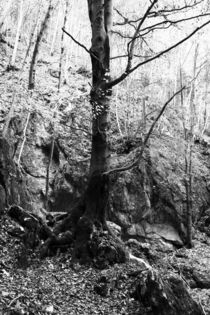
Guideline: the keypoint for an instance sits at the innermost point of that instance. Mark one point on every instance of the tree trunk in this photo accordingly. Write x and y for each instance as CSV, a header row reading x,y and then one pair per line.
x,y
193,122
97,193
100,97
62,45
33,32
12,63
55,30
5,12
32,70
188,136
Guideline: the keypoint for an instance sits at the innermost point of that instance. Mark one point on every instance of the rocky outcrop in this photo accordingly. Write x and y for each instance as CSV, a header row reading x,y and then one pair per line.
x,y
147,202
164,295
13,186
150,202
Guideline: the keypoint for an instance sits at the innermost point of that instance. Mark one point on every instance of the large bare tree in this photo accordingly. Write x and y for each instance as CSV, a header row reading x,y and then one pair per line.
x,y
89,217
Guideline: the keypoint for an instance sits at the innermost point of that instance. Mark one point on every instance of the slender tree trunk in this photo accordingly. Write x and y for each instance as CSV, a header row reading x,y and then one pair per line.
x,y
193,114
188,167
189,195
62,45
5,12
20,20
204,114
32,70
117,117
53,135
193,122
55,30
31,39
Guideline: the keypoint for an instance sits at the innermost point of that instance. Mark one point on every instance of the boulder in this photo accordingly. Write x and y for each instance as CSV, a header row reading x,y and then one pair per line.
x,y
164,231
202,279
164,295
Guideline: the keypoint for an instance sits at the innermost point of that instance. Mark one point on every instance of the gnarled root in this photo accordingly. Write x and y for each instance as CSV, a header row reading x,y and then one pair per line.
x,y
95,243
63,233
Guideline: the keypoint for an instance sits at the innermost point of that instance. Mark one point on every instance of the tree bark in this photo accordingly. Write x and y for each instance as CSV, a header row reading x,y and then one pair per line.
x,y
32,70
62,45
33,32
98,189
12,62
97,193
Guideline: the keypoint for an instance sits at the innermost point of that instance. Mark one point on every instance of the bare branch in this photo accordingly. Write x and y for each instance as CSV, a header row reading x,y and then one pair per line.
x,y
126,73
137,160
131,43
159,13
76,41
122,35
170,22
126,56
176,10
125,20
160,25
81,45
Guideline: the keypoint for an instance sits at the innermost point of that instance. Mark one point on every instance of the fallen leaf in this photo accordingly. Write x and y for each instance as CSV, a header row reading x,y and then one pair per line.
x,y
6,273
4,293
50,309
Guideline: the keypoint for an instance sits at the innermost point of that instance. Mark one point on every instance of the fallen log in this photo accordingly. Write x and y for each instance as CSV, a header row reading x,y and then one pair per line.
x,y
30,222
36,230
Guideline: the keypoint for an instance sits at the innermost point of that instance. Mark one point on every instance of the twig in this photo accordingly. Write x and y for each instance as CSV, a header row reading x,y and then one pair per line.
x,y
131,43
135,163
81,45
76,41
80,129
171,22
15,299
153,14
126,73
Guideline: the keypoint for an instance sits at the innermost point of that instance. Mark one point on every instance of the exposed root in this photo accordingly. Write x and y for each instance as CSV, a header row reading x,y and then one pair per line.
x,y
93,241
140,261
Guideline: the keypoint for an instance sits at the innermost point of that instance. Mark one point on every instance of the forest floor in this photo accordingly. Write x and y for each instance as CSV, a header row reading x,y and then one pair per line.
x,y
60,285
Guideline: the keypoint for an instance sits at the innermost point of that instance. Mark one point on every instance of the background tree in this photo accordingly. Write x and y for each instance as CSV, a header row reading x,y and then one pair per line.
x,y
20,19
32,70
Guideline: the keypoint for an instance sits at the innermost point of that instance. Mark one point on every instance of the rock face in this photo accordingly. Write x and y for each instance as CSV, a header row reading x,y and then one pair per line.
x,y
147,202
13,187
165,295
151,200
